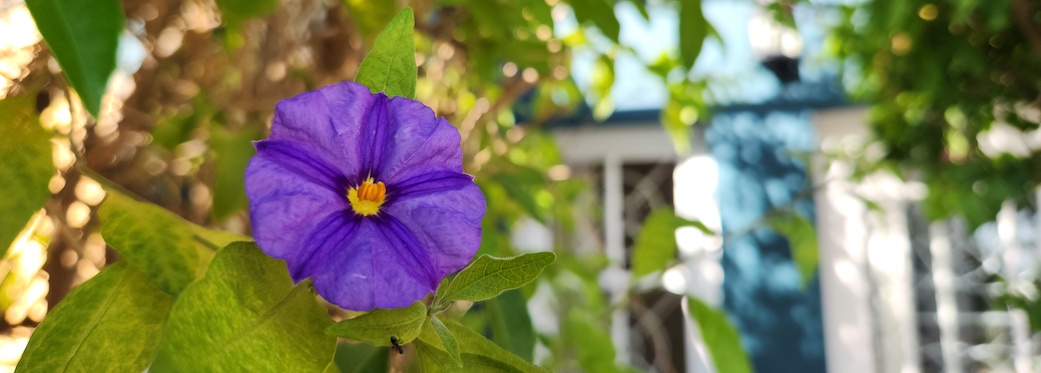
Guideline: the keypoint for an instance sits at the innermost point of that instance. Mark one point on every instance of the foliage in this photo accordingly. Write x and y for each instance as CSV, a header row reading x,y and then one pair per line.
x,y
187,293
943,77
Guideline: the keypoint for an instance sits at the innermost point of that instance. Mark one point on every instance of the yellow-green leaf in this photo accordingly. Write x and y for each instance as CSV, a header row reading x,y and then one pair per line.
x,y
488,276
26,166
378,326
390,67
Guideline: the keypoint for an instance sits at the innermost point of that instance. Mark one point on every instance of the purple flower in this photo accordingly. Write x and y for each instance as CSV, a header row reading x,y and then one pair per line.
x,y
365,194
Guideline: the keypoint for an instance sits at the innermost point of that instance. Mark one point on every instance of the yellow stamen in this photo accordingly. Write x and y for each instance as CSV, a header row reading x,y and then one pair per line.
x,y
367,198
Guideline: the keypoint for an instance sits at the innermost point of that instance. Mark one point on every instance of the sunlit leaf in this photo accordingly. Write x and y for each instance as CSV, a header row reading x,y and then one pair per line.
x,y
246,315
26,167
377,326
113,322
488,276
83,36
802,239
169,250
722,340
390,66
655,246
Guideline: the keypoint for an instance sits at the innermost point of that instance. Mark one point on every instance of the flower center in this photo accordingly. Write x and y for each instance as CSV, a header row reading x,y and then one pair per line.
x,y
367,198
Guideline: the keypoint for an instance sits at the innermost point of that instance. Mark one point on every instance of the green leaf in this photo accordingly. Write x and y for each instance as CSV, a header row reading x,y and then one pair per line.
x,y
369,17
521,185
655,246
694,28
361,358
236,11
488,276
111,323
592,344
437,334
378,326
723,341
478,355
246,315
169,250
390,66
802,238
83,36
233,152
26,168
511,323
600,13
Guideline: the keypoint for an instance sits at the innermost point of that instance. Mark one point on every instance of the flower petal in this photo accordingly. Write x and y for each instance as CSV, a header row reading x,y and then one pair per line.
x,y
447,223
299,159
361,264
421,143
330,119
285,208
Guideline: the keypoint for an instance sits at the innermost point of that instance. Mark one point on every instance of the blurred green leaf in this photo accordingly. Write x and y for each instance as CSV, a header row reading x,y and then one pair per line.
x,y
390,66
236,11
603,80
83,35
369,17
802,239
361,358
521,185
511,325
599,13
488,276
693,30
113,323
246,315
26,168
655,246
169,250
591,343
377,326
233,151
722,340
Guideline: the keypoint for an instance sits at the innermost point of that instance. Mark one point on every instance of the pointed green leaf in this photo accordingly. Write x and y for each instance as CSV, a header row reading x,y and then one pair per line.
x,y
802,239
723,341
378,326
83,36
488,276
246,315
26,167
113,322
169,250
436,334
655,246
390,66
478,354
694,28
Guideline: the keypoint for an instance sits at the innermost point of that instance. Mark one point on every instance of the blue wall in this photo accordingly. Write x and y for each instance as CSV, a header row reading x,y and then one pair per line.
x,y
779,319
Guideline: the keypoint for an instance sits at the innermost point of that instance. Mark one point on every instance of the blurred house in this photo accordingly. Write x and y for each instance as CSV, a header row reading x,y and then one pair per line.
x,y
893,293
